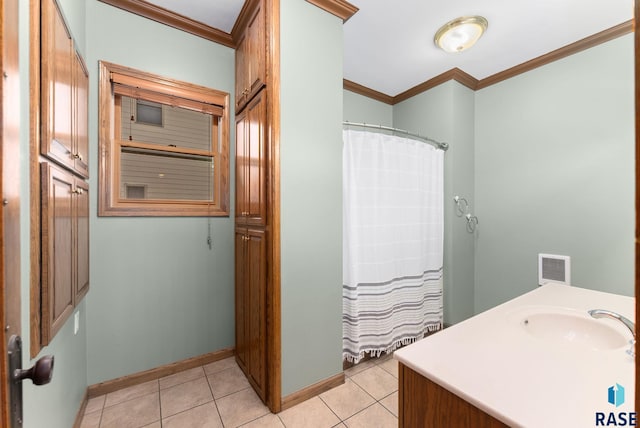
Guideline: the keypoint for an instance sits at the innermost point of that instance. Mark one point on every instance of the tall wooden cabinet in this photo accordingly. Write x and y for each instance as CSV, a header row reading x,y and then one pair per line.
x,y
253,231
64,193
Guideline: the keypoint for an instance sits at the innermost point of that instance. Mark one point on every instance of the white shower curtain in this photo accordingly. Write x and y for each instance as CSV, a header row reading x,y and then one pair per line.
x,y
392,242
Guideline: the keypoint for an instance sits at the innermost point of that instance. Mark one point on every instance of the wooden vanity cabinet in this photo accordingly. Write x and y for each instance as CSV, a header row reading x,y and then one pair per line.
x,y
423,403
251,163
250,58
251,306
64,245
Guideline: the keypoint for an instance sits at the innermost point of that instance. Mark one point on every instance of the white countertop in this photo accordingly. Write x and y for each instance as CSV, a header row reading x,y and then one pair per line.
x,y
491,361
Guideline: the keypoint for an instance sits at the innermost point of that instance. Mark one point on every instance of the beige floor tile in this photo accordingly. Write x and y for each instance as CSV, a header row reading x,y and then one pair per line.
x,y
267,421
131,392
360,367
391,403
390,366
227,382
91,420
133,413
240,407
340,425
184,396
205,416
95,404
154,425
374,416
347,399
181,377
218,366
377,382
313,413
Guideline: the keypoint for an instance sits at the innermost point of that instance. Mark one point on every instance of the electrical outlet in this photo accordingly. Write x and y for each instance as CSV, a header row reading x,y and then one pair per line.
x,y
76,322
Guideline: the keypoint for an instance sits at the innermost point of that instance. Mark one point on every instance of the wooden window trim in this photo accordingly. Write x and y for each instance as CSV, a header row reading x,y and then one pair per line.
x,y
116,79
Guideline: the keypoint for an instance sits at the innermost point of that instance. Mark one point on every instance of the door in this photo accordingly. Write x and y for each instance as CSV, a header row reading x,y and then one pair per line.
x,y
9,187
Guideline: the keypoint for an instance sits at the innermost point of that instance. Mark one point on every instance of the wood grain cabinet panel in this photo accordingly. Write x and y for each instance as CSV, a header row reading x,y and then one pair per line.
x,y
57,248
423,403
251,302
251,163
64,246
81,238
80,107
56,86
241,304
64,95
251,58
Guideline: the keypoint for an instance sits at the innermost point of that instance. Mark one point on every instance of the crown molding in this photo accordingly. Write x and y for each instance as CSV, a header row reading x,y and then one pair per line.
x,y
367,92
454,74
340,8
475,84
563,52
172,19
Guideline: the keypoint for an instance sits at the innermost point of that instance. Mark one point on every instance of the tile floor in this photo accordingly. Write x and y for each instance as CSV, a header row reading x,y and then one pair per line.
x,y
218,395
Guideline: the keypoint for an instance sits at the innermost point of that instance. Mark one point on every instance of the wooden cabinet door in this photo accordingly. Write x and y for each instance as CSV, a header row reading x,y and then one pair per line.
x,y
241,72
81,239
241,297
251,55
256,302
80,146
242,164
57,248
255,63
251,163
256,162
56,86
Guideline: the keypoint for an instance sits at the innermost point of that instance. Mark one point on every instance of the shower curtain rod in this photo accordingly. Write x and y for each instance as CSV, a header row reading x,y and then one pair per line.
x,y
438,144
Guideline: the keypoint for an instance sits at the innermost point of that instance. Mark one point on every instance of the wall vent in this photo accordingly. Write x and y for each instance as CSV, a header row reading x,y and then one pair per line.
x,y
554,268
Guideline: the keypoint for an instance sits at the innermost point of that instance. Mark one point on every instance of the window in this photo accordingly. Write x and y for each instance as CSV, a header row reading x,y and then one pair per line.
x,y
148,112
164,146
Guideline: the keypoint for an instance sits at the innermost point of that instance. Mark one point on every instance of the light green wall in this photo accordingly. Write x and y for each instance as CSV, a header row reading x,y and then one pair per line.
x,y
311,188
546,161
554,174
358,108
54,405
445,113
158,294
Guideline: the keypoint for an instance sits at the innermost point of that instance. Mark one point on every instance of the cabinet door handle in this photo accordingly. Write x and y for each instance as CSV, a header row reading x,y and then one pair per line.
x,y
77,191
77,156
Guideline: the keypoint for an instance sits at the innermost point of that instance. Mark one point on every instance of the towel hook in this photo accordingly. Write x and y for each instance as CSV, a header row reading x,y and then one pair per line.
x,y
462,209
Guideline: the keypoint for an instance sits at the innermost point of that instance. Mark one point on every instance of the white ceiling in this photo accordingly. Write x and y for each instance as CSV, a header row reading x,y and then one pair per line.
x,y
388,45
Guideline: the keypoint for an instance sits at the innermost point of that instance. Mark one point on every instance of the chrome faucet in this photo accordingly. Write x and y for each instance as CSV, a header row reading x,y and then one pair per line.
x,y
603,313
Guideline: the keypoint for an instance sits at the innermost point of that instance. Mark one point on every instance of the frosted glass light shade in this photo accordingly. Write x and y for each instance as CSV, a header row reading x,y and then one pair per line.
x,y
461,33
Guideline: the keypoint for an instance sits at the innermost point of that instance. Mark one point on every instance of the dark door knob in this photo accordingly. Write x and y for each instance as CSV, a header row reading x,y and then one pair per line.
x,y
40,373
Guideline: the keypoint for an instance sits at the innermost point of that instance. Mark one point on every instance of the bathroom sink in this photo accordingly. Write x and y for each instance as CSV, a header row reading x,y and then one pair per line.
x,y
571,328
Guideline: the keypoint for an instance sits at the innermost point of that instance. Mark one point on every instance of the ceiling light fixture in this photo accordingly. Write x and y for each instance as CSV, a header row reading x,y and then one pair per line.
x,y
461,33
